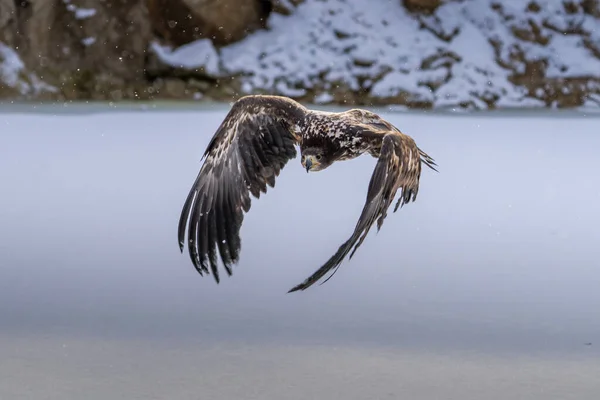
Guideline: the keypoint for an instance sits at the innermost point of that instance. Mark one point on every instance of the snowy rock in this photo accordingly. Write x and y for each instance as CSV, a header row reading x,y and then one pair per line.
x,y
479,54
198,54
15,80
454,53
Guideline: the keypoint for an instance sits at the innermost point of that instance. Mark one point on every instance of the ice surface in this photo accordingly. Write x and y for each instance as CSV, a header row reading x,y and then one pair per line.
x,y
58,367
498,253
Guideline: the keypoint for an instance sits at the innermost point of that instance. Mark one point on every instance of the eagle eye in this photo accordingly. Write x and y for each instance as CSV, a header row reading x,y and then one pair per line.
x,y
318,156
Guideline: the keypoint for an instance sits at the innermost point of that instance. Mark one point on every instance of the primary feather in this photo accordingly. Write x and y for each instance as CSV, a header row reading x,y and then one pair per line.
x,y
253,144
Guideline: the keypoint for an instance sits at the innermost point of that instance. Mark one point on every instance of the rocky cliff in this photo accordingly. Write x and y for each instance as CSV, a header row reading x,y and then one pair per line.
x,y
418,53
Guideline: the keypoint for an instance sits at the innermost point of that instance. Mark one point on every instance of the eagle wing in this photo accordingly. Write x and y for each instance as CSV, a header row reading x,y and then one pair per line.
x,y
398,167
245,155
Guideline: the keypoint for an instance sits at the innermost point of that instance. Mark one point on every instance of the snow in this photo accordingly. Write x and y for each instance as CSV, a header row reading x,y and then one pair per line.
x,y
83,13
88,41
198,54
382,48
79,12
285,89
487,284
323,98
502,243
14,75
10,66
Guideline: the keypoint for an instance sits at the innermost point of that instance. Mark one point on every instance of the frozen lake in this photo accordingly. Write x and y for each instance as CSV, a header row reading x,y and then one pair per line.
x,y
485,287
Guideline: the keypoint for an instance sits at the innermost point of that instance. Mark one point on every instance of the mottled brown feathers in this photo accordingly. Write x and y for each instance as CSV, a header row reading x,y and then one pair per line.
x,y
253,144
398,167
244,156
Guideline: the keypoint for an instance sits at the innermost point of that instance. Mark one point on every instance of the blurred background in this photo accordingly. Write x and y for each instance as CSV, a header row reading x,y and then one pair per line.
x,y
483,54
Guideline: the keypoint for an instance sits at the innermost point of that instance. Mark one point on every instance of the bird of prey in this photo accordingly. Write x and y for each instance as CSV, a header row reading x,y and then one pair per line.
x,y
252,145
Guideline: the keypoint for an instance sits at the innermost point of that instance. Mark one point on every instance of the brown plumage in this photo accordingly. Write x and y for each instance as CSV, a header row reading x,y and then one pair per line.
x,y
254,143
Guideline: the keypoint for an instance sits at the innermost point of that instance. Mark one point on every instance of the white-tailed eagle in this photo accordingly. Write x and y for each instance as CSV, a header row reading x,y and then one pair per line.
x,y
254,143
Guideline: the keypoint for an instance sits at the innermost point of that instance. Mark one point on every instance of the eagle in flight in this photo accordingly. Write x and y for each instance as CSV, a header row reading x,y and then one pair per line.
x,y
254,143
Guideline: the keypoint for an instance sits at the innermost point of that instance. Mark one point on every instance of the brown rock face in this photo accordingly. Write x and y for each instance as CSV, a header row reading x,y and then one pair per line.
x,y
7,20
84,47
96,49
591,7
222,21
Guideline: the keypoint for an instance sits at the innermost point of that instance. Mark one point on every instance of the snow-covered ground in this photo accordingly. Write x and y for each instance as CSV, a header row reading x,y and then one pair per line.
x,y
384,49
501,243
494,269
64,366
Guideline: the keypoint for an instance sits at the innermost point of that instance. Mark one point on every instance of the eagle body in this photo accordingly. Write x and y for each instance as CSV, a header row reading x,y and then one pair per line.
x,y
253,144
332,132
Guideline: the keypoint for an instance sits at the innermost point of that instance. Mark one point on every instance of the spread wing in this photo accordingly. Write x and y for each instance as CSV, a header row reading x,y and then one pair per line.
x,y
398,167
245,155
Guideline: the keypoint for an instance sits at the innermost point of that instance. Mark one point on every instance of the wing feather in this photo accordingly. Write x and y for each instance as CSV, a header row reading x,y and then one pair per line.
x,y
244,156
398,167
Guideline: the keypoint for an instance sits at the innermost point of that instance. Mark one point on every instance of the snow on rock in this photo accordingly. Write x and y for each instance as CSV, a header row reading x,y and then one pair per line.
x,y
14,75
11,68
83,13
79,12
88,41
467,52
323,98
195,55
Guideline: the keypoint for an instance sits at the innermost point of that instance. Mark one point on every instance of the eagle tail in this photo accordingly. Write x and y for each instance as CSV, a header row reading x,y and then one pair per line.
x,y
427,160
333,262
353,243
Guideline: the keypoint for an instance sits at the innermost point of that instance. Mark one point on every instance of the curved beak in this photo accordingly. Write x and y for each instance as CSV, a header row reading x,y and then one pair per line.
x,y
308,163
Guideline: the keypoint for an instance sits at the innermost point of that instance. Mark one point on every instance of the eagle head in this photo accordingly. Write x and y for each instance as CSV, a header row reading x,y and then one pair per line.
x,y
315,159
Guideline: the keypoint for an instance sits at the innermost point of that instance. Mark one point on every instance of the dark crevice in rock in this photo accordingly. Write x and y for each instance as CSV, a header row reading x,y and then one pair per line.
x,y
421,6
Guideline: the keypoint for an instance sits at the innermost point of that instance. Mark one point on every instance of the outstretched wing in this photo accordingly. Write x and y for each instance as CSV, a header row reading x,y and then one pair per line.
x,y
245,155
398,167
